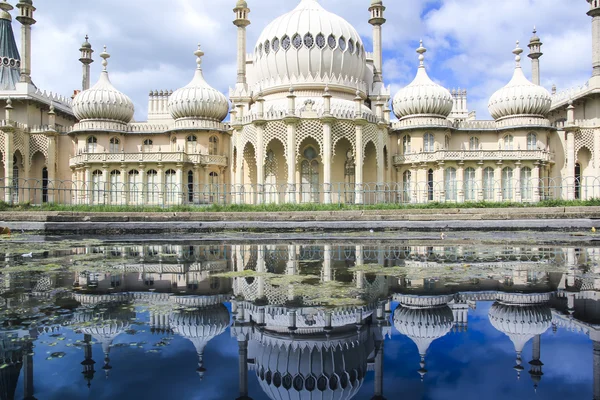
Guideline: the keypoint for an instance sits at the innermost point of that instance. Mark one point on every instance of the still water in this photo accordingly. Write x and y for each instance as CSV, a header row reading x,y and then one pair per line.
x,y
94,320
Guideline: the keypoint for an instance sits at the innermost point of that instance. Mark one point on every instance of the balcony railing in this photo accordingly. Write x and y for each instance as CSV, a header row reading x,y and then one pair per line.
x,y
162,157
474,155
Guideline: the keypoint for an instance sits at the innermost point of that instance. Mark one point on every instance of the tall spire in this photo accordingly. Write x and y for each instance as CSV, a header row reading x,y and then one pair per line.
x,y
86,59
535,52
26,19
10,73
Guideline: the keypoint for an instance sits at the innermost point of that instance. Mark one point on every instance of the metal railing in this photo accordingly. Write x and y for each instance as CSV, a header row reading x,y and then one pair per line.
x,y
40,192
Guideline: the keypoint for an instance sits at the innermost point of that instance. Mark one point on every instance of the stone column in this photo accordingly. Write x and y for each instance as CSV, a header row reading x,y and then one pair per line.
x,y
8,165
179,183
380,177
327,271
291,159
28,388
517,182
378,393
52,184
261,268
358,179
26,20
327,151
243,368
360,260
206,183
239,179
479,181
160,175
441,182
414,179
569,183
197,187
125,187
88,185
498,181
535,182
144,184
260,164
460,182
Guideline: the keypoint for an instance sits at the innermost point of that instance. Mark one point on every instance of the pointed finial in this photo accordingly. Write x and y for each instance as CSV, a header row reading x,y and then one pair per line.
x,y
51,108
9,103
517,52
534,30
421,50
199,53
105,56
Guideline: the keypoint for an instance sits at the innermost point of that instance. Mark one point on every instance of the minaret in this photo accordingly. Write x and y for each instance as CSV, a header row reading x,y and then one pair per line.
x,y
88,363
536,364
595,14
28,388
26,19
377,20
241,20
86,60
535,52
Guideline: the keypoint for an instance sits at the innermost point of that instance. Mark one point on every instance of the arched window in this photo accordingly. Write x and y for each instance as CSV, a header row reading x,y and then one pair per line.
x,y
507,184
310,176
447,142
488,184
508,142
192,142
428,143
526,184
115,187
531,141
451,185
213,146
190,186
135,187
469,184
474,143
97,187
406,181
171,186
92,144
152,186
114,145
406,140
213,180
270,178
148,145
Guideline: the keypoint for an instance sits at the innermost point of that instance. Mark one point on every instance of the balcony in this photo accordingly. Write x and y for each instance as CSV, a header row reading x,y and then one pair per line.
x,y
163,157
474,155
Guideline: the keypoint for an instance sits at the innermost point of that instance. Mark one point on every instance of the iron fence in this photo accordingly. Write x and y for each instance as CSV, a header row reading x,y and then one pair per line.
x,y
41,192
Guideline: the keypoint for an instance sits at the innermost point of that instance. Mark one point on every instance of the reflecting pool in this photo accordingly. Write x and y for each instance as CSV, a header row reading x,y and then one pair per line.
x,y
395,320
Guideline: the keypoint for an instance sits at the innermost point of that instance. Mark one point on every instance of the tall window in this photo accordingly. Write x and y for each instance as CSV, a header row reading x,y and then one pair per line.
x,y
451,184
526,184
428,143
97,187
474,143
406,144
214,186
171,186
213,146
92,144
508,142
114,145
406,180
507,184
192,142
152,186
135,187
15,180
270,178
469,184
446,142
531,141
190,186
115,187
430,185
488,184
310,176
148,145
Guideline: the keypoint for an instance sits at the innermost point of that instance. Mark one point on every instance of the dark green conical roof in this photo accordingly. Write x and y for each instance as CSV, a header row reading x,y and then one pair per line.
x,y
10,60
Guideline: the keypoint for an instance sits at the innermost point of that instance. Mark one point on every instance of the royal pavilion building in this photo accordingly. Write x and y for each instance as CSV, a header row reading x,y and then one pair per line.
x,y
310,119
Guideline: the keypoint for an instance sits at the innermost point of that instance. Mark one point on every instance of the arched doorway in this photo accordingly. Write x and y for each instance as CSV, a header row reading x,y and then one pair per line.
x,y
309,173
577,181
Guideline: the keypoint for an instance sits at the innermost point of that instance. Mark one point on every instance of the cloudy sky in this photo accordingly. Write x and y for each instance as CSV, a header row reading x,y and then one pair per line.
x,y
152,41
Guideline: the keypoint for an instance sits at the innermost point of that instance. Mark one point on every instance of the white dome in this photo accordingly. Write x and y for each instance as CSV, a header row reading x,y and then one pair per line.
x,y
520,96
198,100
286,372
423,96
309,45
103,101
423,325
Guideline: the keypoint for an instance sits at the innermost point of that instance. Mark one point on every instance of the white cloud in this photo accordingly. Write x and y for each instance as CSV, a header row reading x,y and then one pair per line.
x,y
152,41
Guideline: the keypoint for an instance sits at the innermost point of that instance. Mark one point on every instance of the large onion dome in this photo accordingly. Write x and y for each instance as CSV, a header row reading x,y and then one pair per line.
x,y
520,97
103,101
198,100
520,319
199,326
423,97
309,45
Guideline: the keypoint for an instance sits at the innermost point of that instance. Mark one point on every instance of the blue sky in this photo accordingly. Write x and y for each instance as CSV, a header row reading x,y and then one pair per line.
x,y
152,41
461,366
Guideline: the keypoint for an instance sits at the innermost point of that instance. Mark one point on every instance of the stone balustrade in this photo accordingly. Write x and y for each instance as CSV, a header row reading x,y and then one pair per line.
x,y
474,155
162,157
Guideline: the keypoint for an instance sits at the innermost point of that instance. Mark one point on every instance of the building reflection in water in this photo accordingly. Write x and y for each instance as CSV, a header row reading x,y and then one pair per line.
x,y
294,345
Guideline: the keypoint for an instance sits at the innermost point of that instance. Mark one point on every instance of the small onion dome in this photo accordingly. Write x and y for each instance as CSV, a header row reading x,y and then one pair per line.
x,y
520,96
103,101
423,96
241,4
198,100
86,44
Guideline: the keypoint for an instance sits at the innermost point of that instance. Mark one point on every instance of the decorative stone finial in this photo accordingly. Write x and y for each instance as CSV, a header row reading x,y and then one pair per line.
x,y
199,53
517,52
105,56
9,104
51,112
421,50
